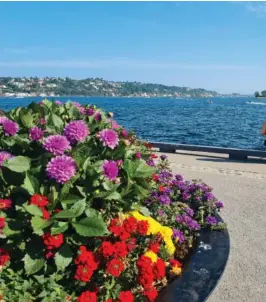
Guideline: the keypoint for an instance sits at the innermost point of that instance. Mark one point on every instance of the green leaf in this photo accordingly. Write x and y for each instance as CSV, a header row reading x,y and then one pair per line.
x,y
27,119
75,211
144,170
113,196
59,227
63,257
31,184
71,199
89,227
33,210
56,121
18,164
145,211
90,212
38,224
32,266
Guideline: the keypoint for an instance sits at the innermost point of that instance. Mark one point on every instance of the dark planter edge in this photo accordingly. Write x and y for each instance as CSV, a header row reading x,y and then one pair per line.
x,y
204,270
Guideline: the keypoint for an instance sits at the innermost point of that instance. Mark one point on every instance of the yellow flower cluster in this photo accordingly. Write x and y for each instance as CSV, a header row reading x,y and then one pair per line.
x,y
176,270
155,228
151,255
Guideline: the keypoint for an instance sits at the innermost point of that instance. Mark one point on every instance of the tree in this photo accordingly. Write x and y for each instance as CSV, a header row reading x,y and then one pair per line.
x,y
263,93
257,94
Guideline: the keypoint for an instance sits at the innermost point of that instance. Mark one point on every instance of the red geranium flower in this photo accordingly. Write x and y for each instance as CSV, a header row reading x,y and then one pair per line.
x,y
142,227
154,156
2,222
107,249
130,224
126,296
86,257
124,235
155,247
45,214
115,267
4,256
5,204
175,262
39,200
148,145
146,279
52,241
115,227
155,177
161,188
151,293
120,250
159,269
87,296
84,273
132,244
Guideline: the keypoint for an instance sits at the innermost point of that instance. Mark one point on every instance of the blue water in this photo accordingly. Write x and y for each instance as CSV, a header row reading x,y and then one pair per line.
x,y
227,122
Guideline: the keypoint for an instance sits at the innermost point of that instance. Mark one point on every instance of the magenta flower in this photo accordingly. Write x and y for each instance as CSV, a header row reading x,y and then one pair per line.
x,y
76,131
3,119
110,169
35,134
109,138
4,156
98,117
76,104
124,133
56,144
10,127
58,102
42,121
138,155
61,168
114,124
90,111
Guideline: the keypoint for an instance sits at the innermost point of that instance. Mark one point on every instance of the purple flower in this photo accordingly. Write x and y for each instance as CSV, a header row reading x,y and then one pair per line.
x,y
185,196
179,177
76,104
4,156
42,121
82,110
161,212
76,131
190,212
164,199
90,111
3,119
110,169
208,196
219,204
188,221
61,168
56,144
138,155
35,134
58,102
109,138
211,220
163,157
150,163
124,133
10,127
98,117
179,234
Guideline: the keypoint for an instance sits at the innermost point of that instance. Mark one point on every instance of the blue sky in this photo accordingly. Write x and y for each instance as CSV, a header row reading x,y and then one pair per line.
x,y
216,45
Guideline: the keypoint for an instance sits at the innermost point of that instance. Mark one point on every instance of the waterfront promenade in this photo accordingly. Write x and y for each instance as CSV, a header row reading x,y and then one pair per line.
x,y
242,187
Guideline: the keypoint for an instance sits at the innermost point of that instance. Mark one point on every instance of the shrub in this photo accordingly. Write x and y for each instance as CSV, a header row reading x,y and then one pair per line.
x,y
86,212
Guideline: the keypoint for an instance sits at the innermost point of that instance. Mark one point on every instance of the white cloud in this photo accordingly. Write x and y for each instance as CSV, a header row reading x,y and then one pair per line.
x,y
122,63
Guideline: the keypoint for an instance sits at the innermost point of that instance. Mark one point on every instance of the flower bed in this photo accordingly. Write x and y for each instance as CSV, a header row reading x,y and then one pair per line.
x,y
87,211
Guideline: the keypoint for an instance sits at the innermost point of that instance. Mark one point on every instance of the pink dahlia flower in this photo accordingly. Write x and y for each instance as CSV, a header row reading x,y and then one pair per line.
x,y
61,168
10,127
110,169
76,131
109,138
56,144
35,134
4,156
3,119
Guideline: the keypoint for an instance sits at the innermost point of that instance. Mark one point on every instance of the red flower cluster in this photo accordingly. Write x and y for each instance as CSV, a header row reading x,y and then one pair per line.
x,y
148,272
154,155
5,204
87,296
52,241
117,250
4,257
115,267
2,223
148,145
175,262
161,188
41,202
87,263
155,247
155,177
126,296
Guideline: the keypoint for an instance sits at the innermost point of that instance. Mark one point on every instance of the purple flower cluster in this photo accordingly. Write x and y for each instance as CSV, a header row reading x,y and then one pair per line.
x,y
109,138
90,111
4,156
36,134
110,169
10,127
56,144
179,234
211,220
76,131
188,221
61,168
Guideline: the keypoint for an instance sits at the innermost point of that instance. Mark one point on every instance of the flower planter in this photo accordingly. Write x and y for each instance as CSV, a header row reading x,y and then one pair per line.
x,y
204,269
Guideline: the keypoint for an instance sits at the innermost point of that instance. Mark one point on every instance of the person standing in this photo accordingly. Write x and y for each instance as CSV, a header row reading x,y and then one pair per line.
x,y
263,131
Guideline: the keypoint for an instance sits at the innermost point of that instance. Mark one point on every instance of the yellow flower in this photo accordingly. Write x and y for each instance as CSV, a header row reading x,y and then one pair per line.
x,y
176,270
151,255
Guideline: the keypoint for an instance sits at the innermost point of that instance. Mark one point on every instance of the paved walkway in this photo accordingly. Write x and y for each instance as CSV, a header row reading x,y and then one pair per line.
x,y
242,187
